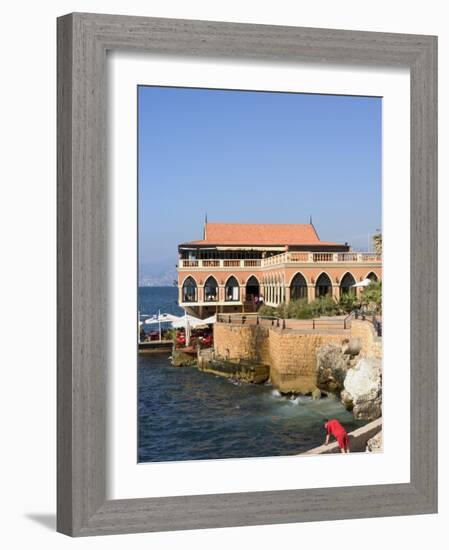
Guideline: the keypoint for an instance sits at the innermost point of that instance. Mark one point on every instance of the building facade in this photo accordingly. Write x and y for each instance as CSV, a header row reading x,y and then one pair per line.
x,y
235,265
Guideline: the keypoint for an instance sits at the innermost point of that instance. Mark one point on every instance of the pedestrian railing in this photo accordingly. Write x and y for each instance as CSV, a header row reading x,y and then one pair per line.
x,y
278,322
372,318
300,324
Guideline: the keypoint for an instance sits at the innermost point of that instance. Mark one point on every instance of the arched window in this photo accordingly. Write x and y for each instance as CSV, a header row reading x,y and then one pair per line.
x,y
232,291
323,286
189,290
346,284
210,290
252,289
372,277
298,287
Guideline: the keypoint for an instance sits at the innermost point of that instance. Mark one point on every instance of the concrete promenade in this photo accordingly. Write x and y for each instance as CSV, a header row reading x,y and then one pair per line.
x,y
357,440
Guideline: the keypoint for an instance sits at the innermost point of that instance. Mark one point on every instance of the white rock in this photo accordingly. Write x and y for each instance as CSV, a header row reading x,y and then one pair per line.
x,y
364,379
363,383
374,445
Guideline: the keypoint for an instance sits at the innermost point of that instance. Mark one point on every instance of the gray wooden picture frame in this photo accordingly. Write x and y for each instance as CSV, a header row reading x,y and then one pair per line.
x,y
83,40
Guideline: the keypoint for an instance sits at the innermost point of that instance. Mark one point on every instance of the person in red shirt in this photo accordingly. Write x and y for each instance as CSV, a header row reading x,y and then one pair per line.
x,y
334,428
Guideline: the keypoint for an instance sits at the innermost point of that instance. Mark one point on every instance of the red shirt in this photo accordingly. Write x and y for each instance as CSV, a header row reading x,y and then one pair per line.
x,y
335,428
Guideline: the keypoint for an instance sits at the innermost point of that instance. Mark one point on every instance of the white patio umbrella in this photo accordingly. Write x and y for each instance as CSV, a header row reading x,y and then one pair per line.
x,y
362,284
187,323
188,320
188,331
162,318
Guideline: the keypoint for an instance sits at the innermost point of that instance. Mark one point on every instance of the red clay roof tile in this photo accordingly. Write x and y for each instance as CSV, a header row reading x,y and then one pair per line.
x,y
260,234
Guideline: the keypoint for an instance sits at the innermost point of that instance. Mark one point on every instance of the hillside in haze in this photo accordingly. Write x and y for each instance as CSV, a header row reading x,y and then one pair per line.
x,y
157,275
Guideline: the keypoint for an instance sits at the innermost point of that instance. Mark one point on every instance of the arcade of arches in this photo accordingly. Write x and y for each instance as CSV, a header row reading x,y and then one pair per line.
x,y
272,289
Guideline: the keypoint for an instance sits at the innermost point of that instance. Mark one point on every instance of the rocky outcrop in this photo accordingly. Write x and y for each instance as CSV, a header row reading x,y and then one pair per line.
x,y
316,394
356,380
181,359
363,389
243,371
374,445
346,399
352,347
332,367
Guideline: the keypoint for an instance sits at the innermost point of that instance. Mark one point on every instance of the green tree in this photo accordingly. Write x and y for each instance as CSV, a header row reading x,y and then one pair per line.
x,y
371,296
347,302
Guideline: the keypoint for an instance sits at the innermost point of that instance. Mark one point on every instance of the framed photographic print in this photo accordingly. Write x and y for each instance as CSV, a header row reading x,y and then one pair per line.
x,y
246,274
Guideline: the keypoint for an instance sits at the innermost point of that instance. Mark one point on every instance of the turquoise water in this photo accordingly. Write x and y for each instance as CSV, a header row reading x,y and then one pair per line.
x,y
185,414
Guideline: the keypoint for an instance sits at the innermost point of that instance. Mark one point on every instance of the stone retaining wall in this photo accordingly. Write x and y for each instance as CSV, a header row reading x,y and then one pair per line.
x,y
293,359
242,342
291,354
371,344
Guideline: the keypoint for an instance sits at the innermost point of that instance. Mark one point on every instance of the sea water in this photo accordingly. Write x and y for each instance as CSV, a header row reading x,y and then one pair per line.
x,y
152,299
186,414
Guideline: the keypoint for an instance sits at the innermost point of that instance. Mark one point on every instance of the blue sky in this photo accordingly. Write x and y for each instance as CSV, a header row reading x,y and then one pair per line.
x,y
254,157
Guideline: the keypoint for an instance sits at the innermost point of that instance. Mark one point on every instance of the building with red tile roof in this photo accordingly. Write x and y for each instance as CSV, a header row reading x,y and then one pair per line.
x,y
235,266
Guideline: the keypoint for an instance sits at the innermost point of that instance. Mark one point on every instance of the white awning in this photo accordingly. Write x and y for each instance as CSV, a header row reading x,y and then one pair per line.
x,y
210,320
362,284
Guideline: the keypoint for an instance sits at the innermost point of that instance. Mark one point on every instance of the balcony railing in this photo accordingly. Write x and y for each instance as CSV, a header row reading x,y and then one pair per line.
x,y
219,263
322,257
287,258
290,257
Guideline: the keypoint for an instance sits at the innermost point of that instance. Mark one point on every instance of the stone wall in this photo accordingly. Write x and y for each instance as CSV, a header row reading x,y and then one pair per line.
x,y
291,355
370,343
242,342
293,359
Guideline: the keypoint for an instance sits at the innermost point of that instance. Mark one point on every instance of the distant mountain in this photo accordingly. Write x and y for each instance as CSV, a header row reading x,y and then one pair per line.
x,y
157,276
